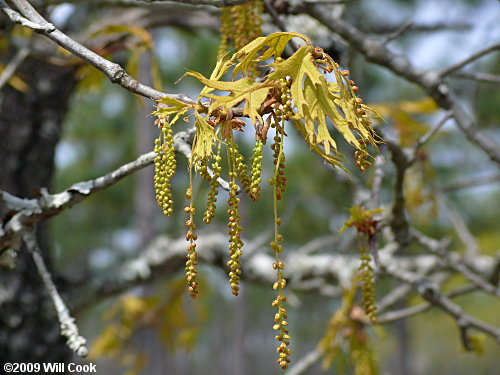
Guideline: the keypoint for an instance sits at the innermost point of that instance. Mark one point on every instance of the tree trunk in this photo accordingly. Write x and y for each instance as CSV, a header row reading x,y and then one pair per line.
x,y
30,127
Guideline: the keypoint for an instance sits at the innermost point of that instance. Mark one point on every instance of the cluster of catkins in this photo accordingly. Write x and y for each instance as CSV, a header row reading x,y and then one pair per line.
x,y
240,24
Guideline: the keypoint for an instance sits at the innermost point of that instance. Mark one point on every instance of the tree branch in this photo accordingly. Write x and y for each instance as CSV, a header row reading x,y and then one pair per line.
x,y
468,60
470,182
392,316
13,65
278,22
427,136
29,211
431,81
306,362
439,248
114,72
17,18
483,77
75,342
431,293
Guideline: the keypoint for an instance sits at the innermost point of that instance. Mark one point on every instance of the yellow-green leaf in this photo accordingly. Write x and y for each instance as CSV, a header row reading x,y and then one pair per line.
x,y
275,42
204,138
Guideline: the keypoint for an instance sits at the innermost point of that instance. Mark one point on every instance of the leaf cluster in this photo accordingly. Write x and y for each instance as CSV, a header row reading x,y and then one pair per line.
x,y
314,98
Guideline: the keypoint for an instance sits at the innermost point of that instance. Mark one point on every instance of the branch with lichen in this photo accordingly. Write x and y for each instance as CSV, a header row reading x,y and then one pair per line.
x,y
30,211
75,342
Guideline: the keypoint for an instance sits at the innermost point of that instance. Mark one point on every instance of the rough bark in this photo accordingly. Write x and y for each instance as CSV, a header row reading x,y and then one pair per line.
x,y
30,127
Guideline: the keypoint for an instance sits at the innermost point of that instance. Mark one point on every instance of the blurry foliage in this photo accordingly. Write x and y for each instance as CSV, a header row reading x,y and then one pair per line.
x,y
164,311
346,341
408,117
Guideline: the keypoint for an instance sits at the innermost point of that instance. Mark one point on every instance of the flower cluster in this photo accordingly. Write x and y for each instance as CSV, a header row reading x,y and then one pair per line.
x,y
255,179
294,90
191,262
213,192
165,166
240,24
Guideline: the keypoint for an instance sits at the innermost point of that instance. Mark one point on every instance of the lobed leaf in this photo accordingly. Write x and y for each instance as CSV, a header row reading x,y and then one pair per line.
x,y
203,139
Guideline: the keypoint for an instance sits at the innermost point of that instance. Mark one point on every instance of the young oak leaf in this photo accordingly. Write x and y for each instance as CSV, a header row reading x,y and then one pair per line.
x,y
168,106
313,98
203,139
244,89
275,42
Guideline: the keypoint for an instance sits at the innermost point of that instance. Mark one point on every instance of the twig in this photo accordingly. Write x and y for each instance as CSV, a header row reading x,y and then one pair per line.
x,y
17,18
114,72
277,21
470,182
384,28
427,136
214,3
397,33
398,220
306,362
12,66
456,264
483,77
392,316
376,52
33,210
468,60
377,181
317,2
463,232
394,296
75,342
431,293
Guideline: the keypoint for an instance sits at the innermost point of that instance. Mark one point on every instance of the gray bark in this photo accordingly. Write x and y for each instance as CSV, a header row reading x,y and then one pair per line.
x,y
30,127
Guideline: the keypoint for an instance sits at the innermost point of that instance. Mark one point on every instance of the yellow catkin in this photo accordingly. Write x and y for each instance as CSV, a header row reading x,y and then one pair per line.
x,y
240,167
240,24
214,185
280,322
368,281
165,166
234,224
191,237
256,170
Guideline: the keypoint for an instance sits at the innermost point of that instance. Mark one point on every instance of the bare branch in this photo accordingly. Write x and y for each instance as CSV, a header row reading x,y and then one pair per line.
x,y
278,22
463,232
306,362
431,293
469,60
397,33
398,220
427,136
75,342
392,316
114,72
317,2
384,28
48,205
437,248
483,77
12,66
376,52
470,182
17,18
215,3
399,293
